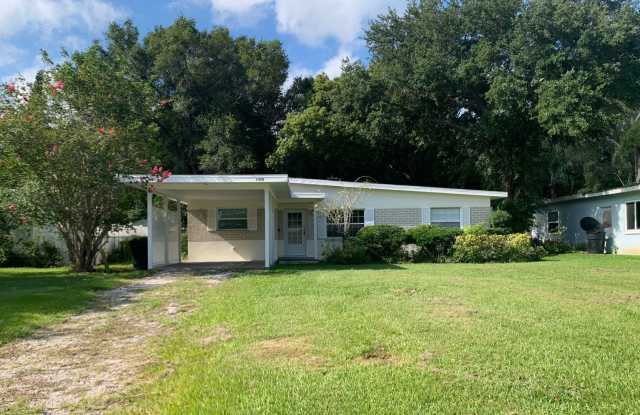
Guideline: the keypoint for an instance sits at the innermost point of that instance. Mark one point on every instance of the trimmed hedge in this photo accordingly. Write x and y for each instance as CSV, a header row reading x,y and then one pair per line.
x,y
352,251
517,247
382,242
435,243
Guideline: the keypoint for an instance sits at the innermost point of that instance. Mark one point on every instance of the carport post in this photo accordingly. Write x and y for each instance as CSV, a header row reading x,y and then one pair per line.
x,y
149,230
165,218
315,233
179,213
267,228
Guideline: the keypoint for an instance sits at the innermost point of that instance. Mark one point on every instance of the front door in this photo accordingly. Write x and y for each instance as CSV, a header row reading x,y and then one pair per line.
x,y
294,234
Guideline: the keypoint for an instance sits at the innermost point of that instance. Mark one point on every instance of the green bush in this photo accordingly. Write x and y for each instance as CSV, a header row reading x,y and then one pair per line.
x,y
500,222
515,247
30,253
139,252
435,243
352,251
557,247
121,254
382,242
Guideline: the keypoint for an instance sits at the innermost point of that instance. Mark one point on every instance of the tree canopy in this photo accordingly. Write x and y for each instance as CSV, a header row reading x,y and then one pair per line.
x,y
528,96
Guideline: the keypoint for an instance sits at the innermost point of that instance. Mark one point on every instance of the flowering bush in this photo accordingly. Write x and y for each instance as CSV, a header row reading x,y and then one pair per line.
x,y
517,247
70,140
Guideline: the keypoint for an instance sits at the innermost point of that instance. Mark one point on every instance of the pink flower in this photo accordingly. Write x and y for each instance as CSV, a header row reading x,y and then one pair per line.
x,y
11,87
12,207
101,130
59,85
155,170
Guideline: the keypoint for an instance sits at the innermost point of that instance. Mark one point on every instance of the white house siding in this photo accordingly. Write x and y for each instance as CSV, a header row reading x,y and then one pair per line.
x,y
570,212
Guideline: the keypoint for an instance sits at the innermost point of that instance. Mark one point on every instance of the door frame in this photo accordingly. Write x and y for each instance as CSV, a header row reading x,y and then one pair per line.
x,y
286,233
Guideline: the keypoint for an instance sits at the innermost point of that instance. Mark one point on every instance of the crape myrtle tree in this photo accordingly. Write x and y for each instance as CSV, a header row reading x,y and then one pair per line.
x,y
73,135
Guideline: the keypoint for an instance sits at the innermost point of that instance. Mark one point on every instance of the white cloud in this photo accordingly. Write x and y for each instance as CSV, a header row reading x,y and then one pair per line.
x,y
237,7
315,21
311,21
46,16
10,54
332,68
28,73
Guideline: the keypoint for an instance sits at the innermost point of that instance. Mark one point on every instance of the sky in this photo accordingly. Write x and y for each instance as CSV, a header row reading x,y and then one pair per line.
x,y
317,34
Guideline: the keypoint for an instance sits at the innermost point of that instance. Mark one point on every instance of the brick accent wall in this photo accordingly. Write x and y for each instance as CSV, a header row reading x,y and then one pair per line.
x,y
407,218
480,215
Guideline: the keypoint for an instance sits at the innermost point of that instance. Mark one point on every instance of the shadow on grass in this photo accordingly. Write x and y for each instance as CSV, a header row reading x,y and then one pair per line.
x,y
32,298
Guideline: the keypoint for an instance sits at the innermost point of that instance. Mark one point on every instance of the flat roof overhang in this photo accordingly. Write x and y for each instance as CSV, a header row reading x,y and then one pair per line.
x,y
190,187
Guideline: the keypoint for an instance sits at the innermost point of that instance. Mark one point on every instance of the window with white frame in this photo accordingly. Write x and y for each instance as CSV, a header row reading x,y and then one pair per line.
x,y
336,223
232,219
553,221
446,217
633,216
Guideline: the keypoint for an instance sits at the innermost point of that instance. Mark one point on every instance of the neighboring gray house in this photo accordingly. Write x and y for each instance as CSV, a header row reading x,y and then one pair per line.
x,y
618,210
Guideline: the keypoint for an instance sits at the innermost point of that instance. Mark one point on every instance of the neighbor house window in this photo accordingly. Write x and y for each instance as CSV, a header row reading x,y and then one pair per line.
x,y
232,219
446,217
553,221
335,223
633,216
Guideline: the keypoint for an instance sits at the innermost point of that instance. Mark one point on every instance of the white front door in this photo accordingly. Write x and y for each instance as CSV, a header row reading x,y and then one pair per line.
x,y
294,233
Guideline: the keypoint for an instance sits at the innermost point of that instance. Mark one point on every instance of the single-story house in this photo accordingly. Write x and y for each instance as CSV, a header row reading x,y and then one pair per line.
x,y
274,216
617,210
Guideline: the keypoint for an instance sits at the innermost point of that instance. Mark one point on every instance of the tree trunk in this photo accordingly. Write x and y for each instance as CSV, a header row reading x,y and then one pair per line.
x,y
637,164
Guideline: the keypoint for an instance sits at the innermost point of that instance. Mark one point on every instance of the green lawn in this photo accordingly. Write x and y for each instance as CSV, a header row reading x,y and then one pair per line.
x,y
559,336
33,298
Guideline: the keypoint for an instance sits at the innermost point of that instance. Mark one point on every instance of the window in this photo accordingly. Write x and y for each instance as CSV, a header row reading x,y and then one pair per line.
x,y
553,221
606,217
232,219
446,217
633,216
335,223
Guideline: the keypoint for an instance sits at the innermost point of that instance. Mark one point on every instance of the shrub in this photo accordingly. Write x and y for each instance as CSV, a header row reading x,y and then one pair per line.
x,y
28,253
515,247
479,229
557,247
139,252
435,243
382,242
352,251
121,254
500,222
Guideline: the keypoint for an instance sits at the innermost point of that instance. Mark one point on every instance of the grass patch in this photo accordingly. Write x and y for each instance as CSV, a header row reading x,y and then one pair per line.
x,y
557,336
31,298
